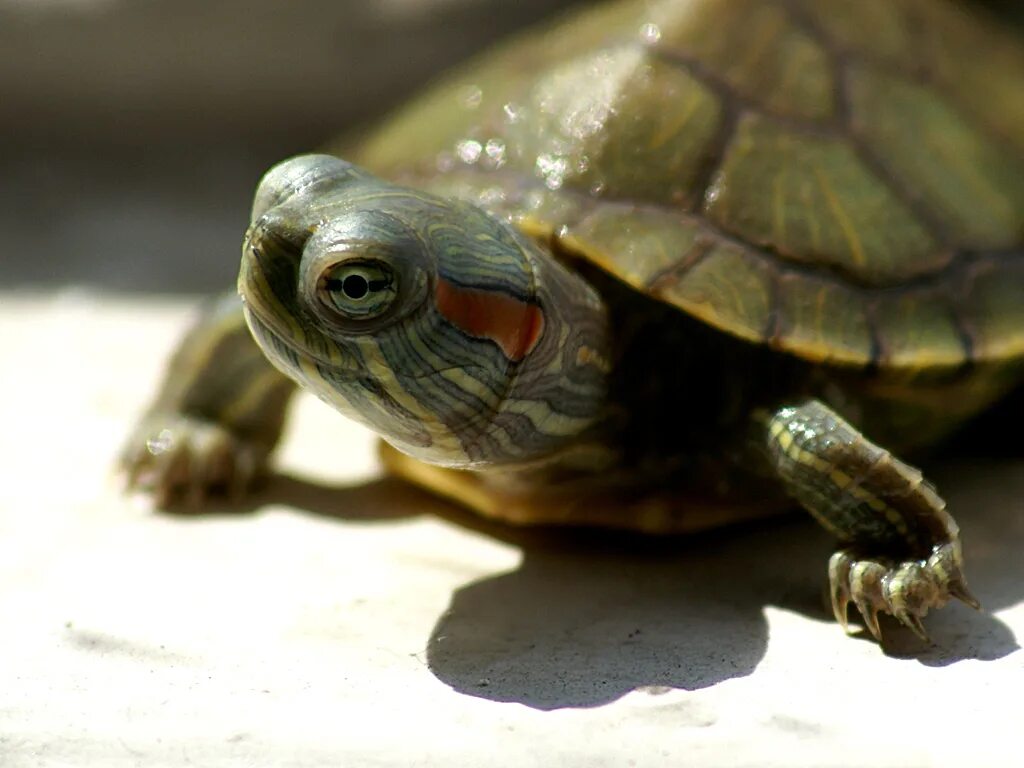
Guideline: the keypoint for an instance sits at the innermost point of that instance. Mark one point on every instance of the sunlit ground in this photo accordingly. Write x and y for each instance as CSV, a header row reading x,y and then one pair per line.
x,y
343,619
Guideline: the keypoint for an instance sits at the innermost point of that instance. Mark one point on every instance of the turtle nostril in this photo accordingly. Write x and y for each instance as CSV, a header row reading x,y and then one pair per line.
x,y
270,264
269,240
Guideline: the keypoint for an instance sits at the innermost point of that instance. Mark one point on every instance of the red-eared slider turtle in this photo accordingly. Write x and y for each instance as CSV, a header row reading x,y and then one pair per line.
x,y
657,267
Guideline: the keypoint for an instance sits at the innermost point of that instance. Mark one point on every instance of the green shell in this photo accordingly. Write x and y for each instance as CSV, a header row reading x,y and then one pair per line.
x,y
840,180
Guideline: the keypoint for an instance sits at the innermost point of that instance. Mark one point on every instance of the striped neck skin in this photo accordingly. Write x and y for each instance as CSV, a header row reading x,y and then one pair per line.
x,y
455,338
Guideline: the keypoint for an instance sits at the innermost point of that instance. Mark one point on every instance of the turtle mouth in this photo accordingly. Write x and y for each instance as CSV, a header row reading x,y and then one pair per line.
x,y
272,339
330,380
282,345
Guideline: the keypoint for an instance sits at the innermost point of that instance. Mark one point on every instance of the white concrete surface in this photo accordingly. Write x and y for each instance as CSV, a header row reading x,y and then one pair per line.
x,y
341,619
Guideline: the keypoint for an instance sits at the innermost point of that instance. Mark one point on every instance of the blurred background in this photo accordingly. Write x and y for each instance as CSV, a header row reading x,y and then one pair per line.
x,y
134,131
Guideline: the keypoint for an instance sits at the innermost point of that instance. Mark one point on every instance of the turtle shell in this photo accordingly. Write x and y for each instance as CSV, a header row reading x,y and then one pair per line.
x,y
843,181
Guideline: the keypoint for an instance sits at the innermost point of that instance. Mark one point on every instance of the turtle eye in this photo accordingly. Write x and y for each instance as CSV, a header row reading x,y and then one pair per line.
x,y
358,289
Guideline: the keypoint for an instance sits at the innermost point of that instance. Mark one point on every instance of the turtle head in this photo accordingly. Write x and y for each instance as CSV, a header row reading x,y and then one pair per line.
x,y
437,325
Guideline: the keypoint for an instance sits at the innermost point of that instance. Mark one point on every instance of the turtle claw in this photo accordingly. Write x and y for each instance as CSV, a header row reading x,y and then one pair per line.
x,y
182,460
907,590
915,625
839,589
964,595
870,617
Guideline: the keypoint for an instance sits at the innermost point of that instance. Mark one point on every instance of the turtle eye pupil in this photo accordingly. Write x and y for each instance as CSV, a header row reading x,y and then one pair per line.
x,y
359,289
355,286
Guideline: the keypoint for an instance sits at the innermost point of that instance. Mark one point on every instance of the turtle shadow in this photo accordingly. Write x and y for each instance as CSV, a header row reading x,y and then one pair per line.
x,y
585,619
379,500
589,616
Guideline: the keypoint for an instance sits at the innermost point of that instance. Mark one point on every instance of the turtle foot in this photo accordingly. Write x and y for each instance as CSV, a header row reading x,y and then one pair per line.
x,y
905,589
182,459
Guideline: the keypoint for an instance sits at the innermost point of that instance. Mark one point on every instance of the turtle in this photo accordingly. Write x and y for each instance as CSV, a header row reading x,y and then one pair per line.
x,y
657,266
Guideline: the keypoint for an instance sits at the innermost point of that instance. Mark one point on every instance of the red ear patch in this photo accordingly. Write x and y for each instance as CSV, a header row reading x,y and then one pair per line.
x,y
513,325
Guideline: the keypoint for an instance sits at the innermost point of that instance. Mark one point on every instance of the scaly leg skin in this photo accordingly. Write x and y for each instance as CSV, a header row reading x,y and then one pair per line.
x,y
901,548
216,419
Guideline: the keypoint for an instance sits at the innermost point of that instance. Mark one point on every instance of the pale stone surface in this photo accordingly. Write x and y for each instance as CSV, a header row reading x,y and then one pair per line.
x,y
344,620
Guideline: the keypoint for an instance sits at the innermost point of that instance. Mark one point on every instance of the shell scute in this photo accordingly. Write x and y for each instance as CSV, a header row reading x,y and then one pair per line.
x,y
824,319
727,287
811,199
974,187
994,307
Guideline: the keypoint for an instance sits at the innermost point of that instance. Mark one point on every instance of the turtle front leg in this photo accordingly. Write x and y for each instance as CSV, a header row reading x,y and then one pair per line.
x,y
217,417
900,549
